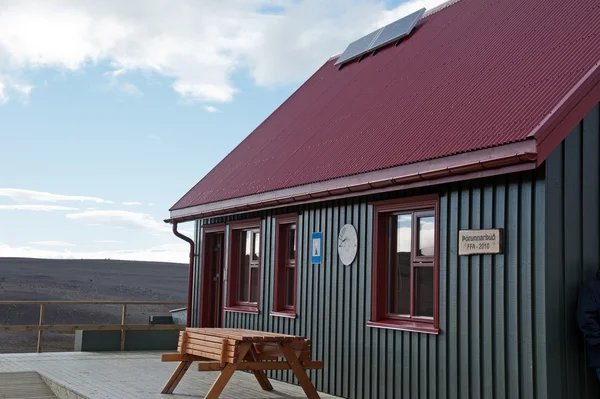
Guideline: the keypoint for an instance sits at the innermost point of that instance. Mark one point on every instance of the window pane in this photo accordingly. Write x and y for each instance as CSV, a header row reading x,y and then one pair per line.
x,y
426,236
291,244
399,268
254,284
244,265
256,246
424,287
289,286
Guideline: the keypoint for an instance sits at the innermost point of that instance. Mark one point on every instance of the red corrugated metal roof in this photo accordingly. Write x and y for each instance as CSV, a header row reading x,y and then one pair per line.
x,y
474,75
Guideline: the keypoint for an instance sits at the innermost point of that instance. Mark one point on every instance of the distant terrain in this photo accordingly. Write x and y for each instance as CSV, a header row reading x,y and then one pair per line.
x,y
82,280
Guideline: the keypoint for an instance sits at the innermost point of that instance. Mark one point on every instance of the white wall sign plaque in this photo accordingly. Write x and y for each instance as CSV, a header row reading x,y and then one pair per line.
x,y
474,242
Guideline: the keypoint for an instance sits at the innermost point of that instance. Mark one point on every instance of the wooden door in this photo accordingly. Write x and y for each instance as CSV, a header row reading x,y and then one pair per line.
x,y
211,296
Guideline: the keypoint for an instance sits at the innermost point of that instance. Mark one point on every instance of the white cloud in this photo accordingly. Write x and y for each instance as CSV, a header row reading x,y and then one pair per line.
x,y
292,46
3,95
9,88
187,232
131,89
125,87
163,253
53,243
198,45
35,208
150,204
132,203
210,108
121,219
21,195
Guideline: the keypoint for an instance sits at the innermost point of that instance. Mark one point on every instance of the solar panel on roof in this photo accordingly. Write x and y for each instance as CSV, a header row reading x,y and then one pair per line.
x,y
358,47
379,38
396,30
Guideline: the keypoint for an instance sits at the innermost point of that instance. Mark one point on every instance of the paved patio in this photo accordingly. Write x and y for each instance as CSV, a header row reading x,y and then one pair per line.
x,y
132,375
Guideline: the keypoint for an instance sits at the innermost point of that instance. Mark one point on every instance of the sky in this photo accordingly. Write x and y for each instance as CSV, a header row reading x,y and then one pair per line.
x,y
111,111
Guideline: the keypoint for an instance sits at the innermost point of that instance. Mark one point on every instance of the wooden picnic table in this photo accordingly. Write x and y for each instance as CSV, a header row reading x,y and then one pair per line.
x,y
231,349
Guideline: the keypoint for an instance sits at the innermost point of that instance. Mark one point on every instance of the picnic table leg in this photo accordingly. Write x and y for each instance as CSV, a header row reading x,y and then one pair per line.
x,y
260,375
305,382
177,376
219,384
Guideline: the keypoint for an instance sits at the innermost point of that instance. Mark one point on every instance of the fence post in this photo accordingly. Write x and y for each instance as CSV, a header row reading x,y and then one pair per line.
x,y
40,332
123,323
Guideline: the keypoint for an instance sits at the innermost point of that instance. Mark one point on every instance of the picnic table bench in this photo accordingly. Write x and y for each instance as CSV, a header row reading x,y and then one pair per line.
x,y
231,349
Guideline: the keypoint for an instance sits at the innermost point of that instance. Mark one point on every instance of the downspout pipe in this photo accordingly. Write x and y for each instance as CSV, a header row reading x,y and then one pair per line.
x,y
190,273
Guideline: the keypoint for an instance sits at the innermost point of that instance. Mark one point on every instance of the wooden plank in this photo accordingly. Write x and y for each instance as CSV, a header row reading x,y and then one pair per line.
x,y
194,339
230,351
41,333
179,357
24,385
224,352
264,357
243,334
224,334
176,377
260,375
211,366
213,356
210,349
246,331
219,384
296,345
300,373
182,342
123,322
214,366
208,338
272,350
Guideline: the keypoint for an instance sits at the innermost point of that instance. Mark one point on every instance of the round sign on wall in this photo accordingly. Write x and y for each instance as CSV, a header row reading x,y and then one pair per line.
x,y
347,244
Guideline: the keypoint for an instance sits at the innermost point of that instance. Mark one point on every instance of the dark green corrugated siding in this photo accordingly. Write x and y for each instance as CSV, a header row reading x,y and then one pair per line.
x,y
573,253
492,312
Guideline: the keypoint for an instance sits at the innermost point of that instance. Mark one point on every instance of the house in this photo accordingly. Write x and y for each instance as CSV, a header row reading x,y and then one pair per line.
x,y
424,212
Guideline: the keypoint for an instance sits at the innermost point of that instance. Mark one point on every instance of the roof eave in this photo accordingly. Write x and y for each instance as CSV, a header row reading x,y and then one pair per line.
x,y
573,107
486,162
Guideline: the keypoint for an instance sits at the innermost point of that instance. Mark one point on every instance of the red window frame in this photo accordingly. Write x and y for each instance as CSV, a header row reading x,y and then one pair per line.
x,y
421,206
234,303
285,223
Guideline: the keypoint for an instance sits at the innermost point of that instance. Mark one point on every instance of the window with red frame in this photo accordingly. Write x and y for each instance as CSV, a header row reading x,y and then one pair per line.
x,y
244,268
284,298
405,264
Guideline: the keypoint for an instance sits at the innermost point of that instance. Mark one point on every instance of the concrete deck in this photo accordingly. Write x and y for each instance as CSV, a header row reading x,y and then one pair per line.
x,y
133,375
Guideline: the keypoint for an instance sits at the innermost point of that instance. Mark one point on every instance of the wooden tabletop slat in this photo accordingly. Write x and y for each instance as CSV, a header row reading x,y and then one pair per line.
x,y
241,334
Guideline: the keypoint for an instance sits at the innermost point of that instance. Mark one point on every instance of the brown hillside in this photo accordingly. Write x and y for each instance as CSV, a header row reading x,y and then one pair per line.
x,y
82,280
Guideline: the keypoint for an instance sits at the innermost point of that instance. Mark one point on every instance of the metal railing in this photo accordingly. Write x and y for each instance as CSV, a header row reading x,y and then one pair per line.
x,y
123,327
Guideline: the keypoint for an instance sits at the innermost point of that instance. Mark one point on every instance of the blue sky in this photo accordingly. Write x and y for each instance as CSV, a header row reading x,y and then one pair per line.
x,y
111,111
